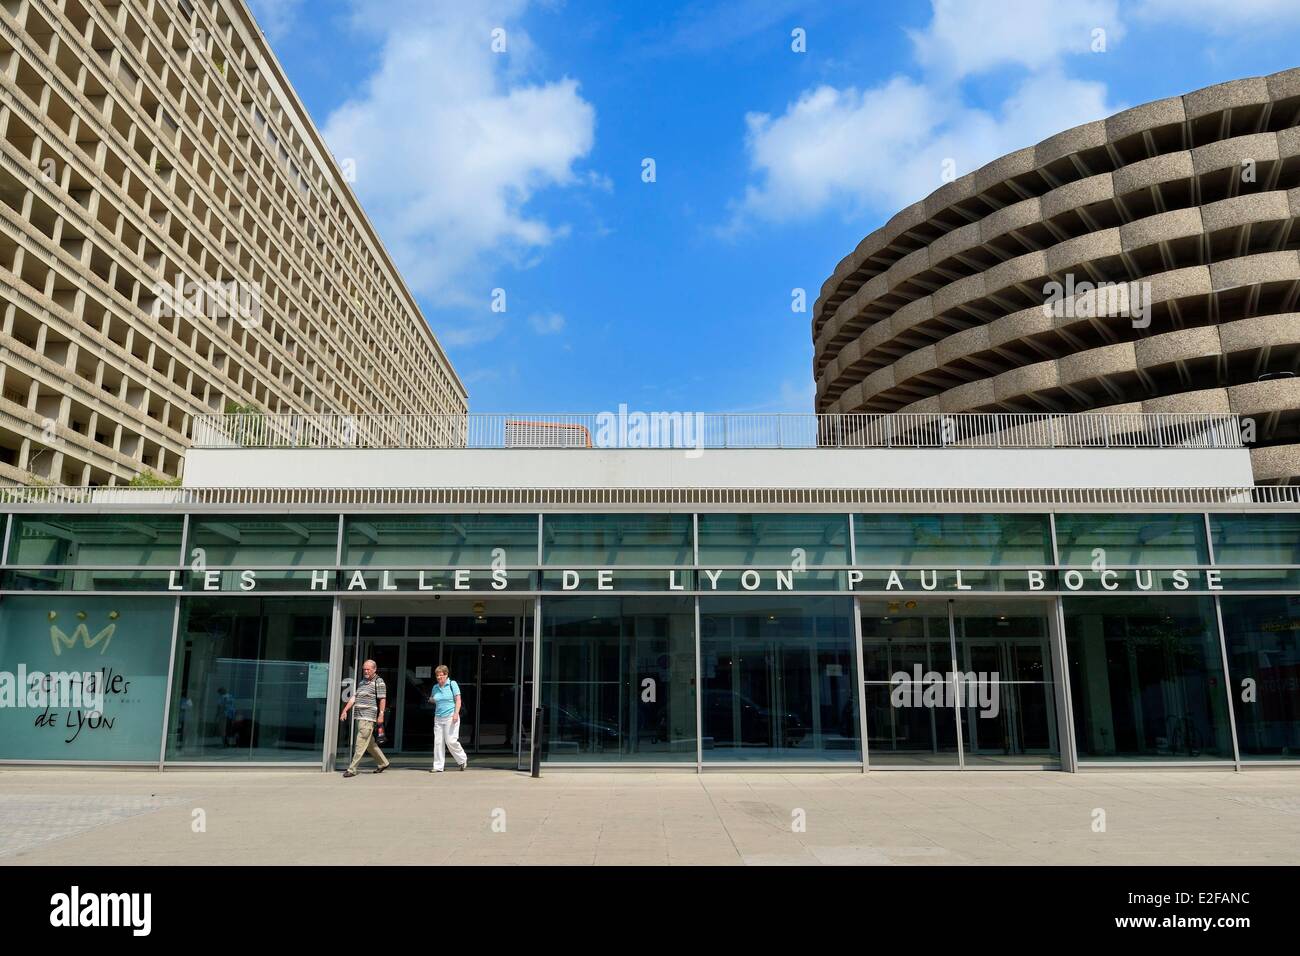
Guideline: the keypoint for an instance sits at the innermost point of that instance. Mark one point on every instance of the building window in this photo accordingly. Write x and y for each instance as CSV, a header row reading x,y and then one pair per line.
x,y
1146,679
127,640
618,679
1131,539
1261,635
242,541
779,679
428,541
772,539
251,681
947,540
605,540
1256,538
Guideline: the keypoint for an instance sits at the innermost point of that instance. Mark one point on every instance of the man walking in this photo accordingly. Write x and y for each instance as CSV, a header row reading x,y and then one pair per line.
x,y
371,701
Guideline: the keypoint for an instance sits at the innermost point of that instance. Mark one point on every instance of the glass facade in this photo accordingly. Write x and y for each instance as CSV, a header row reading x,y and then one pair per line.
x,y
778,679
618,679
947,540
906,640
1125,540
1264,674
1146,676
251,680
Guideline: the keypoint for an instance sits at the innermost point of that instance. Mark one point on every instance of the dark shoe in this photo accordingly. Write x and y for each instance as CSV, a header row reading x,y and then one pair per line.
x,y
465,765
381,769
349,773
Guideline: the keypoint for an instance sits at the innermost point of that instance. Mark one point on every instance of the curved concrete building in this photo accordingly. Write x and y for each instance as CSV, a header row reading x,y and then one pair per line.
x,y
993,293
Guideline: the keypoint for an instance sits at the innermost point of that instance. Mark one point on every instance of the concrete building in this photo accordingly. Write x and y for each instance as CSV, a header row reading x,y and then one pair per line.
x,y
1087,591
175,239
974,299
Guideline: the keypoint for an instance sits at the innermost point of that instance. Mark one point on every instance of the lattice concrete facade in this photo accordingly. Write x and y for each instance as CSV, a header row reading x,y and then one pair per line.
x,y
150,149
1195,198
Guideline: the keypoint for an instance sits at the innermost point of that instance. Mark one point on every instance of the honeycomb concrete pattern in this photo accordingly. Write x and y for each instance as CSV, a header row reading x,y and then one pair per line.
x,y
146,145
1189,205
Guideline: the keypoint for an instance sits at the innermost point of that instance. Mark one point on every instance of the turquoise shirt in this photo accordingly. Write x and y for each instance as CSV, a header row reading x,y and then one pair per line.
x,y
444,698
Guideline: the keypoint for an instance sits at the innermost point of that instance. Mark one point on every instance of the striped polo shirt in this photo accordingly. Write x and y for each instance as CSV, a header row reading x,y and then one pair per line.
x,y
367,697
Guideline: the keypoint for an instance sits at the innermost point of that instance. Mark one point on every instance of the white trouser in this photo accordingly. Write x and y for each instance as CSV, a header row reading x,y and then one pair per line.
x,y
445,734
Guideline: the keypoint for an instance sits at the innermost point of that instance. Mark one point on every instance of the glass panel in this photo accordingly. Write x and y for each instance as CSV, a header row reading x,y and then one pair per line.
x,y
525,709
461,658
125,541
350,671
251,680
778,678
1131,539
496,717
499,625
907,659
1255,538
1006,693
96,677
966,540
1263,640
432,541
1146,678
264,541
575,540
417,712
618,678
772,539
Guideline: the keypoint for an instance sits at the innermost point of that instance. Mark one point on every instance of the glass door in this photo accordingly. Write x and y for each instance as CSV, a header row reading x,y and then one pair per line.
x,y
387,656
524,706
1008,711
498,695
417,712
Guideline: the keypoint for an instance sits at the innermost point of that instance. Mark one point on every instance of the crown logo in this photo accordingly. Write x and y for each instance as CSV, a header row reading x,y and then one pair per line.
x,y
60,640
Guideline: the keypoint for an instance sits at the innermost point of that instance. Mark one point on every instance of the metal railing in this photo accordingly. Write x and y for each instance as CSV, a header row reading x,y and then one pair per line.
x,y
326,498
714,430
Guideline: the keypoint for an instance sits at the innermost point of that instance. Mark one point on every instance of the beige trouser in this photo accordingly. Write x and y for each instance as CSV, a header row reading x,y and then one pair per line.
x,y
366,743
446,736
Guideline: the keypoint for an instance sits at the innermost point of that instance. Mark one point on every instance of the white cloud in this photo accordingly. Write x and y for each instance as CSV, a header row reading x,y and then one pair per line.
x,y
880,148
1218,17
275,16
451,141
549,324
967,37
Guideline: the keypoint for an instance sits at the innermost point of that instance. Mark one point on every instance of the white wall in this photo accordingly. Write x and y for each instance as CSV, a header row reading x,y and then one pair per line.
x,y
733,468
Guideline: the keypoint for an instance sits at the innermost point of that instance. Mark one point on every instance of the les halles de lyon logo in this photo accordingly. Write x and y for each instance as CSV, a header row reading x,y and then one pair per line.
x,y
60,640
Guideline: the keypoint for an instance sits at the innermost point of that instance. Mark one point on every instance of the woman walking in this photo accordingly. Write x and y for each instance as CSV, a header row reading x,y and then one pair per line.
x,y
446,721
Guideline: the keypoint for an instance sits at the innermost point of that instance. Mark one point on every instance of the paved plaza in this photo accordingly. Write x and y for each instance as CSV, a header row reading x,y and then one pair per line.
x,y
483,816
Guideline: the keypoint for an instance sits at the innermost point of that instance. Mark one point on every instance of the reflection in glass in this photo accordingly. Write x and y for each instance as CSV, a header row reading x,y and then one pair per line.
x,y
1131,539
751,540
1146,678
252,541
251,680
439,541
903,640
951,540
778,679
1263,641
109,540
1256,538
610,540
618,678
1006,646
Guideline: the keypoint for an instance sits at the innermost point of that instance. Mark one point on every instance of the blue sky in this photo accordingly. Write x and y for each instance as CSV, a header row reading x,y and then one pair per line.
x,y
523,170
